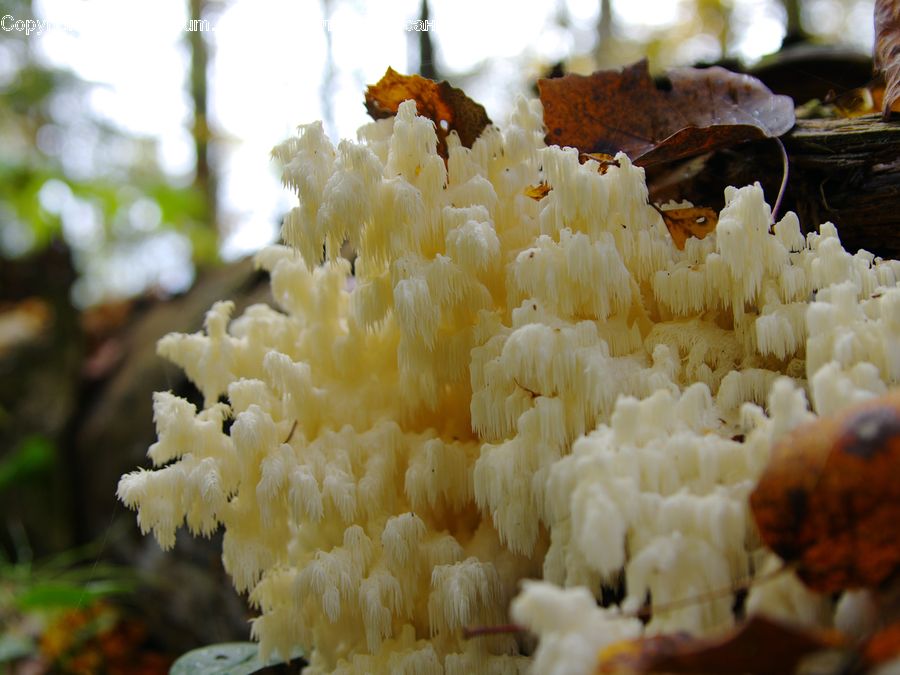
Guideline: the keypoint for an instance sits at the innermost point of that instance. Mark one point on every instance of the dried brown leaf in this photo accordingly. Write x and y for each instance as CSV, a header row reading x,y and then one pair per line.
x,y
738,651
855,102
539,191
624,110
829,499
604,159
695,221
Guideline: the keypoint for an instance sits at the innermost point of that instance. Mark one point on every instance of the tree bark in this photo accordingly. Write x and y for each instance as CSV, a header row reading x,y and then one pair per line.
x,y
847,171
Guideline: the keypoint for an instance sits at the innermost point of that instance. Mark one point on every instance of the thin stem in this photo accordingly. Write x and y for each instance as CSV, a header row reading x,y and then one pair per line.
x,y
644,612
504,629
784,179
743,585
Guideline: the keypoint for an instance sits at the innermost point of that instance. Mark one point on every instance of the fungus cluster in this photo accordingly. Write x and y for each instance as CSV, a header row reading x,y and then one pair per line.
x,y
500,389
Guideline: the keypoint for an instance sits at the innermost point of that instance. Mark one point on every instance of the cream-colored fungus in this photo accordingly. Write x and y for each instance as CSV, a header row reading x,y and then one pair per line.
x,y
503,389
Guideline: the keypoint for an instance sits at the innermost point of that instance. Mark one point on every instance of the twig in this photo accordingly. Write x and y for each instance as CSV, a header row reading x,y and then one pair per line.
x,y
784,179
481,631
742,585
644,612
291,432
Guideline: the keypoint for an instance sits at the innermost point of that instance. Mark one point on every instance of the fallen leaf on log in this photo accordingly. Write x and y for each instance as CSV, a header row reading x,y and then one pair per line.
x,y
448,107
759,645
829,499
695,111
640,654
883,646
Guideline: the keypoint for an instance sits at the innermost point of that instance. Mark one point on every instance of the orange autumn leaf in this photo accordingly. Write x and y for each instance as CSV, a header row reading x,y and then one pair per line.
x,y
448,107
883,646
539,191
693,112
887,51
829,499
695,221
737,652
639,654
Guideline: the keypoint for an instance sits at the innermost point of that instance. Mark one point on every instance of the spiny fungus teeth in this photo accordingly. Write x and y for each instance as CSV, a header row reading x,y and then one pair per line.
x,y
509,389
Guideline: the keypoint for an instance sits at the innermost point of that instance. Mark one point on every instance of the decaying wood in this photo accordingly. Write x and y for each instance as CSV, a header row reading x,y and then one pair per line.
x,y
847,171
852,143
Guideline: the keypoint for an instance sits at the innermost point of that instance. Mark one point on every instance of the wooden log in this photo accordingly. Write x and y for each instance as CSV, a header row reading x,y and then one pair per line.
x,y
847,171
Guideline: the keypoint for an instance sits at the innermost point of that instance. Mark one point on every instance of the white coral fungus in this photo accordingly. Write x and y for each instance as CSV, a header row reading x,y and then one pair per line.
x,y
503,388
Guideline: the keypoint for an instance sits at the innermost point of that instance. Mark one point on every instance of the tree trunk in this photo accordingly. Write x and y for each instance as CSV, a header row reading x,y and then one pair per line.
x,y
427,66
205,175
326,91
603,50
793,23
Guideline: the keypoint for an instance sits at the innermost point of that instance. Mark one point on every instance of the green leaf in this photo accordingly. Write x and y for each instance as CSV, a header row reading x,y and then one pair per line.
x,y
33,455
228,658
59,594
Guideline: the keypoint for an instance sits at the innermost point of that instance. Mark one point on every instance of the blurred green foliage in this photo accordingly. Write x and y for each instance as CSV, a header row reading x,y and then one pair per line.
x,y
66,580
67,174
32,456
33,597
